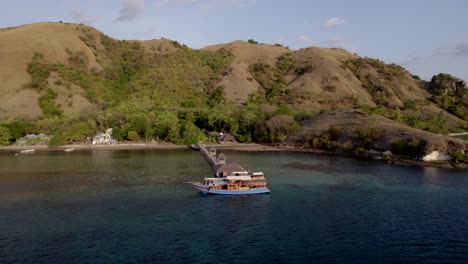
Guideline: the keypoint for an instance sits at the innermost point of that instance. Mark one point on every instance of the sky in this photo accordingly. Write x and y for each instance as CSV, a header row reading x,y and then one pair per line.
x,y
426,37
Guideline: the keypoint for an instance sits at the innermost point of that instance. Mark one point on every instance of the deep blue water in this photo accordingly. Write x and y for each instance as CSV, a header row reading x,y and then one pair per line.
x,y
136,207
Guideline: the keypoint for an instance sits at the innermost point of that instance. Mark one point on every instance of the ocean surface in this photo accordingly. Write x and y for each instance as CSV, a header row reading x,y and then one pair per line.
x,y
136,207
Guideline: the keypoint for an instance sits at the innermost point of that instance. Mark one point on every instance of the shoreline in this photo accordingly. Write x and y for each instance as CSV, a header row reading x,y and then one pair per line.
x,y
252,147
140,146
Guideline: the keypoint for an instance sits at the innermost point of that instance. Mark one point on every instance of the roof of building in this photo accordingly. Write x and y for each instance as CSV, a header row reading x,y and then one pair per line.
x,y
226,136
228,167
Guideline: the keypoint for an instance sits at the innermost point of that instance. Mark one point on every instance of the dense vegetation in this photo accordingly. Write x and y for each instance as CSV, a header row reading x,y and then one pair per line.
x,y
174,97
450,93
170,97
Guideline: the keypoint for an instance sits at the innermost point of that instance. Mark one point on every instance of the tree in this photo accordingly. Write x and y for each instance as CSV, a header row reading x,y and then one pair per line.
x,y
5,136
78,131
133,136
281,126
166,125
58,140
191,133
139,122
18,128
220,121
119,134
217,97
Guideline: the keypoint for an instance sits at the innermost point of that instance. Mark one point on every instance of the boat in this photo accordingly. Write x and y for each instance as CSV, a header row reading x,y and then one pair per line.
x,y
26,151
232,179
69,149
195,147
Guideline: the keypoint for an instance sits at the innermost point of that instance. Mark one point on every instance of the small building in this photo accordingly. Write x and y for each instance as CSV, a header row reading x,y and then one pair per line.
x,y
104,138
226,138
33,139
213,151
221,158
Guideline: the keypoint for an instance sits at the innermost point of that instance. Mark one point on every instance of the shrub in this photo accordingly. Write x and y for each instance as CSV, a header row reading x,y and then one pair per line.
x,y
39,71
272,82
47,103
285,63
367,136
409,105
361,152
301,70
434,123
5,136
252,41
409,147
133,136
460,156
281,126
119,134
329,88
58,140
191,133
18,129
334,132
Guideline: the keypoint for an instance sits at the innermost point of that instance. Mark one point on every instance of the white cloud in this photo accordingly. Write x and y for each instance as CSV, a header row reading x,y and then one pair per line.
x,y
82,18
130,9
333,22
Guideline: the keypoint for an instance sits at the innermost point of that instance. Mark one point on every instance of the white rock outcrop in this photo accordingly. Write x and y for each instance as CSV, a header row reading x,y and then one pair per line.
x,y
437,156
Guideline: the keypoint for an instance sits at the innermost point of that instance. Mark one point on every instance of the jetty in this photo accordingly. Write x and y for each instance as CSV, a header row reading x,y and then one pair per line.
x,y
210,155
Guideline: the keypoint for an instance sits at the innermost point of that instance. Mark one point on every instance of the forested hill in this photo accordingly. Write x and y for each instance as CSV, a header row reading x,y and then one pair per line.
x,y
72,80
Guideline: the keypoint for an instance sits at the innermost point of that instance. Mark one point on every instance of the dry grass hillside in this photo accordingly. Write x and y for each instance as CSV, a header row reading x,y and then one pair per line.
x,y
239,83
309,80
17,46
325,81
159,46
379,133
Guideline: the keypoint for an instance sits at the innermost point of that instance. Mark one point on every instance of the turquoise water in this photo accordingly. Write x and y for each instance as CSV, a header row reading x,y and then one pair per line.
x,y
136,207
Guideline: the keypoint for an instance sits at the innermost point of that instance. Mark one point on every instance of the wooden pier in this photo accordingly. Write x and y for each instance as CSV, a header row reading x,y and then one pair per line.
x,y
209,155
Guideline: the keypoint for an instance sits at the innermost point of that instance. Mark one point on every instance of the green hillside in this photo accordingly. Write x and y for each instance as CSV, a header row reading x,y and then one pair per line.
x,y
167,91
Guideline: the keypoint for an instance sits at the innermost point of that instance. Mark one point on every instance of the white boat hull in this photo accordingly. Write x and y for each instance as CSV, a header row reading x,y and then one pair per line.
x,y
207,190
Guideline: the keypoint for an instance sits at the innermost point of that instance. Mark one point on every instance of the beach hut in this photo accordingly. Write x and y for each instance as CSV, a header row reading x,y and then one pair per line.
x,y
226,138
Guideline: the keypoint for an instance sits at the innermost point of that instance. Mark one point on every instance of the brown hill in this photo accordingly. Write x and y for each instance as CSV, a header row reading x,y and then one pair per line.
x,y
239,83
17,46
328,79
317,79
159,46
